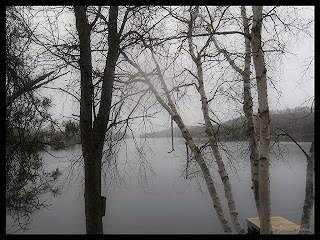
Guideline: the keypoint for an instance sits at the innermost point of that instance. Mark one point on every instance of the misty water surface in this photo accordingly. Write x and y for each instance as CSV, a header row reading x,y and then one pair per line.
x,y
164,201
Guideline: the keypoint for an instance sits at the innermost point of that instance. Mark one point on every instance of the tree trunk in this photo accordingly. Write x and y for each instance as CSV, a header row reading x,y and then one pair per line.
x,y
248,111
222,171
199,158
259,64
93,133
205,171
91,160
210,133
171,109
247,106
309,199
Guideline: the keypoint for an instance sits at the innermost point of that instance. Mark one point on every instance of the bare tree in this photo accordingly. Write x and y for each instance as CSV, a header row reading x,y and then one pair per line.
x,y
94,123
264,158
170,107
247,103
93,133
196,57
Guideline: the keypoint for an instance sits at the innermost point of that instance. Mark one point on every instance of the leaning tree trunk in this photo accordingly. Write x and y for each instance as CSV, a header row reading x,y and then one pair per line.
x,y
259,64
199,158
93,133
205,171
309,199
210,133
171,109
215,149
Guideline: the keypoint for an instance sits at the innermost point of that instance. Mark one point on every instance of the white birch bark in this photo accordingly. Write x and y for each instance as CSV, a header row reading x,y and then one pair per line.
x,y
247,107
248,110
309,198
259,64
209,128
170,107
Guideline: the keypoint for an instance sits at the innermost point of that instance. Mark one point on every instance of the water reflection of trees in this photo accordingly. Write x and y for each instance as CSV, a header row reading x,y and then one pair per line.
x,y
26,114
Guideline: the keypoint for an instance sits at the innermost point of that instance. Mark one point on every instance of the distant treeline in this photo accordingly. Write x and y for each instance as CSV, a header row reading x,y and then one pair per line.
x,y
297,122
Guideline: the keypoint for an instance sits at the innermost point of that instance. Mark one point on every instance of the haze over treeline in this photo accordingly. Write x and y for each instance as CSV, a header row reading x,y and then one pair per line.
x,y
127,68
297,122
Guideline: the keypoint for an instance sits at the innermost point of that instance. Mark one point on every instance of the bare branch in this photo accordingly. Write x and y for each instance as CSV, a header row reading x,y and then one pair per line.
x,y
285,133
96,18
30,86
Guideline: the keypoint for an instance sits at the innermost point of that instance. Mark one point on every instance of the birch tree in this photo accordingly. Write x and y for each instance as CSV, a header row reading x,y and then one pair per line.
x,y
170,107
247,103
264,158
309,192
196,58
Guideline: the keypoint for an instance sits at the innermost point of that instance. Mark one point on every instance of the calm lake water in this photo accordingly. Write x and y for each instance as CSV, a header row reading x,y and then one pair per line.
x,y
162,200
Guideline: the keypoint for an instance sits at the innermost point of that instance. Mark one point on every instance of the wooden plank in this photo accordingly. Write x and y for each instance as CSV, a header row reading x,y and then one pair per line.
x,y
255,222
280,225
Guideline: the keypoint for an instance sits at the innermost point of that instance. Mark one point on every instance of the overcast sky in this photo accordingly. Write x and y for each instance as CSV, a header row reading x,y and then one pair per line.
x,y
295,84
296,87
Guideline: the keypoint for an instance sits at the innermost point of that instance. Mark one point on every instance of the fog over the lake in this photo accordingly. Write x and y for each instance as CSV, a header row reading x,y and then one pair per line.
x,y
292,85
166,202
191,117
